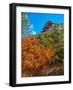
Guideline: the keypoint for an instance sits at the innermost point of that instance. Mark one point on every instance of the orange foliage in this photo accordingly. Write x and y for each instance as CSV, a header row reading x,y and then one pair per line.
x,y
35,56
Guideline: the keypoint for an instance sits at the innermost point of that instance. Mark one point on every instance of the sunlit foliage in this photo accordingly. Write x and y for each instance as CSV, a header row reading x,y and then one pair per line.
x,y
41,50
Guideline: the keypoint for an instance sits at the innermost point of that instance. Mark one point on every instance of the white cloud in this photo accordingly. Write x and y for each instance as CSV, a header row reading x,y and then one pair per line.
x,y
33,32
31,29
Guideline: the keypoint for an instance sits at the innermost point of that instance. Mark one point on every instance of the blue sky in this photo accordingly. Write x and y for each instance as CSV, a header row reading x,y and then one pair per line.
x,y
38,20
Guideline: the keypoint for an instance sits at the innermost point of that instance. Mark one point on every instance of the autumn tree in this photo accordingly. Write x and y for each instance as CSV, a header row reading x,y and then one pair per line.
x,y
34,56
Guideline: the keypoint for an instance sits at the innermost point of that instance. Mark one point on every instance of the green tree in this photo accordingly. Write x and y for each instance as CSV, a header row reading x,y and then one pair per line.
x,y
25,24
54,39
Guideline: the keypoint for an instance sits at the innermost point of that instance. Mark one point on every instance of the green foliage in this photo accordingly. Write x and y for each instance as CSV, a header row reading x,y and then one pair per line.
x,y
43,40
25,19
26,23
56,27
24,30
54,39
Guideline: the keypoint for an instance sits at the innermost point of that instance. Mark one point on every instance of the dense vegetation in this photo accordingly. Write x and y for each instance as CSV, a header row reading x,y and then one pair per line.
x,y
41,50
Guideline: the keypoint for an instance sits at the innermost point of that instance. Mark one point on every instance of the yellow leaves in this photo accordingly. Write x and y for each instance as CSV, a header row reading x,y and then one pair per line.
x,y
49,53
